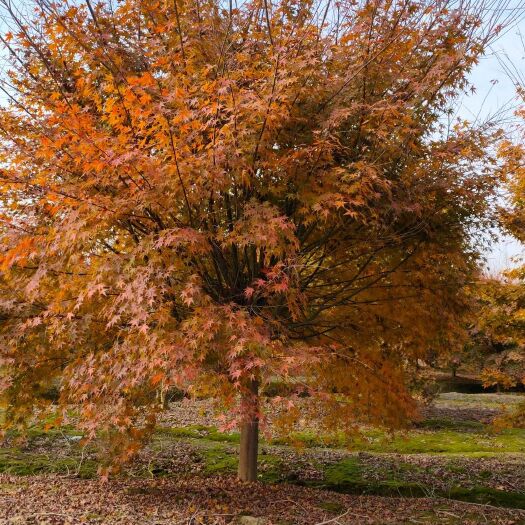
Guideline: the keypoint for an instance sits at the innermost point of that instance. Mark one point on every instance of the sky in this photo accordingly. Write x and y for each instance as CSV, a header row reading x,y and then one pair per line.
x,y
495,92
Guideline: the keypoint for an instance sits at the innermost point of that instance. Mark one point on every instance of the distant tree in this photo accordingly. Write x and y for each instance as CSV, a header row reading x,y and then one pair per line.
x,y
210,197
498,333
513,153
505,315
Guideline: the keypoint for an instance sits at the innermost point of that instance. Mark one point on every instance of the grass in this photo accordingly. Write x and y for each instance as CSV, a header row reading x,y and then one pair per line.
x,y
479,401
219,460
488,496
332,506
21,463
451,424
200,432
216,454
445,442
352,476
433,438
437,436
347,476
224,460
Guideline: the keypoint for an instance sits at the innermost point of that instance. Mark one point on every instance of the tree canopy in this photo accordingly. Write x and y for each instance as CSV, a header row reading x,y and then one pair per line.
x,y
209,197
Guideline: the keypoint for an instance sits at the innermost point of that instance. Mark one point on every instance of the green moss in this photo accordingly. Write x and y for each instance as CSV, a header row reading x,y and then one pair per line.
x,y
485,474
351,475
215,435
456,469
347,470
218,460
270,469
470,438
7,488
332,506
199,432
439,436
451,424
347,477
38,432
444,442
488,496
311,439
177,433
13,461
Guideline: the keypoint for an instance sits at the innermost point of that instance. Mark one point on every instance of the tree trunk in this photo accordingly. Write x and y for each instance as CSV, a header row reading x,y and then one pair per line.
x,y
250,438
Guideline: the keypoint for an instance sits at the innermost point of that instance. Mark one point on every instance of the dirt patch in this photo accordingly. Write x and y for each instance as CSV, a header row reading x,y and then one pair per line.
x,y
458,414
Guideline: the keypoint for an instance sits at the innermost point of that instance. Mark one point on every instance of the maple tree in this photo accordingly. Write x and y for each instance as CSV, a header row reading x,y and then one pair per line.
x,y
497,332
208,196
503,312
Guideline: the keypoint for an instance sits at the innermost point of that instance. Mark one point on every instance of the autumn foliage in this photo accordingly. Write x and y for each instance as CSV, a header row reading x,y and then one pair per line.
x,y
498,331
210,197
503,301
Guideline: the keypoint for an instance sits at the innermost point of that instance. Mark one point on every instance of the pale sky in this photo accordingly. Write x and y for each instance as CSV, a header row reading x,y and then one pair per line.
x,y
495,92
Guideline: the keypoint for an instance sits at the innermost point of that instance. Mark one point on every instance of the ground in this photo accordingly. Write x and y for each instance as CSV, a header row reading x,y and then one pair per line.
x,y
452,468
174,500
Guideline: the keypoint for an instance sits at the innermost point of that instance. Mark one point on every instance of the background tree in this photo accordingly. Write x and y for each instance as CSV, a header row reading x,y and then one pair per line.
x,y
498,331
207,196
507,313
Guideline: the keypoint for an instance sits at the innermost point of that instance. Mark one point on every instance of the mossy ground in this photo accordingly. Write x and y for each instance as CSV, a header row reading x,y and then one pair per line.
x,y
24,463
215,453
433,437
347,477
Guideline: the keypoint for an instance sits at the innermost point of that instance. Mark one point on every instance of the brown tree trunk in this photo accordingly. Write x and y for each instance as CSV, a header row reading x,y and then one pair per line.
x,y
250,439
